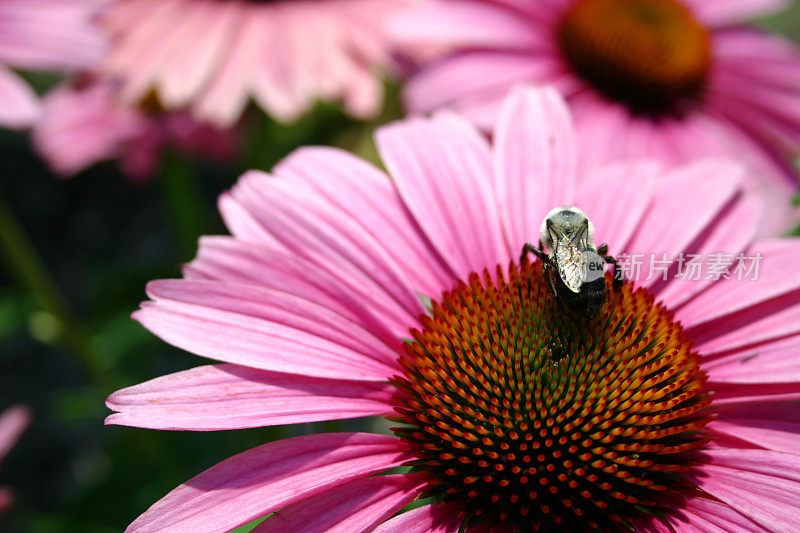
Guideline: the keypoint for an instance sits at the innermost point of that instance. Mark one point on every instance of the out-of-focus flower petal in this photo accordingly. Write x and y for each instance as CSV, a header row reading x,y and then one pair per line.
x,y
50,34
721,12
19,106
84,122
13,421
214,57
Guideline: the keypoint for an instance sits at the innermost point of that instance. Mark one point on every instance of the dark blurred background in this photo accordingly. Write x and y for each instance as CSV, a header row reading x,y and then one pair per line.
x,y
101,238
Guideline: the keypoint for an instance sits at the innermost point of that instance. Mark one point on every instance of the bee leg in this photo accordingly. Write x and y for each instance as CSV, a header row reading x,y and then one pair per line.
x,y
528,247
549,273
602,251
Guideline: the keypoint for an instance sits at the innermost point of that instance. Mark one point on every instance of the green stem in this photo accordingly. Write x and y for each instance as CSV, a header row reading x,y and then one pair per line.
x,y
183,201
24,264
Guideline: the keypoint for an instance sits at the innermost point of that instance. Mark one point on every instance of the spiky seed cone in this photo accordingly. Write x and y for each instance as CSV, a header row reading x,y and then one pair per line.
x,y
649,54
533,417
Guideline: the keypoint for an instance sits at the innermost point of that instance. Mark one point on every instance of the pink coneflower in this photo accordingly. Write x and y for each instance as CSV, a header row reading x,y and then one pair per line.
x,y
673,79
344,292
84,122
13,421
215,55
52,35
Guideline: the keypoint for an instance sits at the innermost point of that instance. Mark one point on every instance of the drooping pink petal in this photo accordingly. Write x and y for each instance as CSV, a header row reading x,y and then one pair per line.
x,y
265,329
19,106
362,100
50,34
760,484
227,93
228,259
196,52
693,194
140,46
724,12
441,169
83,125
730,234
534,161
214,57
749,54
777,276
83,122
445,83
254,483
308,226
210,398
764,109
609,187
364,194
771,106
13,421
728,393
773,362
701,515
654,525
771,425
356,506
471,24
432,518
764,323
243,224
602,129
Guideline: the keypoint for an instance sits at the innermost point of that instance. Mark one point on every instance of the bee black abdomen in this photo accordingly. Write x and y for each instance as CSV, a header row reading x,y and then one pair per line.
x,y
589,301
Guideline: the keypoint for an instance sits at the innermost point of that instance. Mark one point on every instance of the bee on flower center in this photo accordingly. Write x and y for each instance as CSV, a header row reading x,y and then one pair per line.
x,y
574,266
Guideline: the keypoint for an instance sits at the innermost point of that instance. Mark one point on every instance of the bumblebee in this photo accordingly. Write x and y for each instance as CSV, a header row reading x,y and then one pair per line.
x,y
574,266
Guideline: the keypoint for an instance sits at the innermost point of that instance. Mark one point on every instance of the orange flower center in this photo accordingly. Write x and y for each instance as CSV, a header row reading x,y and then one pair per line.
x,y
532,417
650,54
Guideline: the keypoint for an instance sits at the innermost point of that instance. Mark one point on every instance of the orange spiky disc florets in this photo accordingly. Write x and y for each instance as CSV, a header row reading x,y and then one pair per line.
x,y
535,417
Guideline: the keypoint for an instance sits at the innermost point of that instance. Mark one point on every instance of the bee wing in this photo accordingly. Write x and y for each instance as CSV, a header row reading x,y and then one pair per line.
x,y
572,265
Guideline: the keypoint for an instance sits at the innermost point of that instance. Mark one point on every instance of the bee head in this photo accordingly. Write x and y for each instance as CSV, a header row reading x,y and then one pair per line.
x,y
565,222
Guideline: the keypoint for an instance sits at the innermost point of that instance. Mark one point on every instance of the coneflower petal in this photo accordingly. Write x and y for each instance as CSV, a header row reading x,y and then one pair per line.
x,y
217,397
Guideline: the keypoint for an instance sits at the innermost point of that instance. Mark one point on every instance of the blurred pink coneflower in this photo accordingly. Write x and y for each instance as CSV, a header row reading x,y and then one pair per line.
x,y
344,292
215,55
673,79
84,122
13,421
50,35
